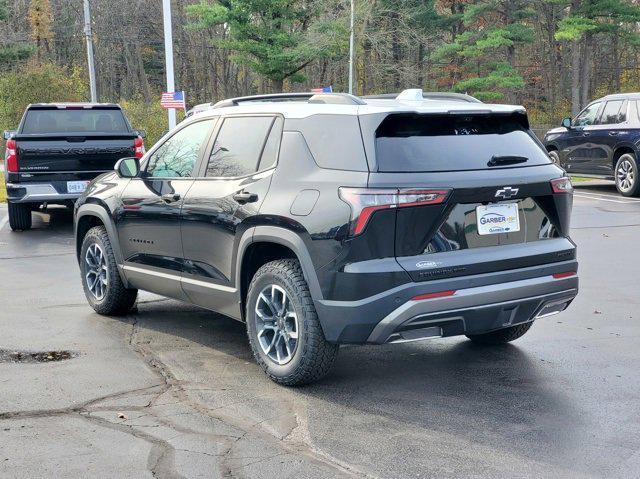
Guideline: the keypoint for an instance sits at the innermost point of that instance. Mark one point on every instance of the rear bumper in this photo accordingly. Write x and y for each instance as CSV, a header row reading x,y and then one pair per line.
x,y
481,303
37,193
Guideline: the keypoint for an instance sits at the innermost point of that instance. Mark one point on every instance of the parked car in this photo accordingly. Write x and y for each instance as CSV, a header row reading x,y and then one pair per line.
x,y
338,220
58,148
601,142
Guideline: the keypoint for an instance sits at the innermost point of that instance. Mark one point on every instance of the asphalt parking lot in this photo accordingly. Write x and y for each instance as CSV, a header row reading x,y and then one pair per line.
x,y
172,391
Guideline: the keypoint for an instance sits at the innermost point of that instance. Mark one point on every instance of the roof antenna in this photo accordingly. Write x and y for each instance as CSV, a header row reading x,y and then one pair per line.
x,y
412,94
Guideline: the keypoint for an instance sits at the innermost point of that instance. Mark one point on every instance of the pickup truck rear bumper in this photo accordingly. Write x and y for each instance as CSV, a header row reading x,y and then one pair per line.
x,y
37,193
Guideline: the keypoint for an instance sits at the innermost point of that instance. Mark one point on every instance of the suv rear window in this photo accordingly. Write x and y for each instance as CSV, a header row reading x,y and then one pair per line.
x,y
79,120
423,143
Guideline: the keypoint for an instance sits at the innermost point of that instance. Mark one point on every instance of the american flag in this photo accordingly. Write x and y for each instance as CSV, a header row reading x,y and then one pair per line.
x,y
325,89
173,100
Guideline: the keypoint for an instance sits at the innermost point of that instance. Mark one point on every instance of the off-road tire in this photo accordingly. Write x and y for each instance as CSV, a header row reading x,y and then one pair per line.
x,y
20,216
634,190
117,300
314,355
501,336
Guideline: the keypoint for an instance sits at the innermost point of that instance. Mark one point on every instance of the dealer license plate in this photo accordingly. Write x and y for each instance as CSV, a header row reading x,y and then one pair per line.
x,y
497,218
76,186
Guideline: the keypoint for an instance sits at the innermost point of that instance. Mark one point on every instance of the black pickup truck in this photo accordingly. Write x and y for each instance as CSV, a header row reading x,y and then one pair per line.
x,y
58,149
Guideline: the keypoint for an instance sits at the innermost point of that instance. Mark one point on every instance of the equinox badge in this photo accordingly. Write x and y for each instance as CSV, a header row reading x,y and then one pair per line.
x,y
507,192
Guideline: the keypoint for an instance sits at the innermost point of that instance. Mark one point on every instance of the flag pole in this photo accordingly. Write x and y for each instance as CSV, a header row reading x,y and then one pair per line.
x,y
351,47
168,52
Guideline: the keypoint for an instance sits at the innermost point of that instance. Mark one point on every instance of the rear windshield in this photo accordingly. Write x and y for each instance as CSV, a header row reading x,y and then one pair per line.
x,y
424,143
74,121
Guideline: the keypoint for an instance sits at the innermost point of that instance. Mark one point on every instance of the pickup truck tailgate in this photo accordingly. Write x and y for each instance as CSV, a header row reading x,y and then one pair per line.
x,y
53,153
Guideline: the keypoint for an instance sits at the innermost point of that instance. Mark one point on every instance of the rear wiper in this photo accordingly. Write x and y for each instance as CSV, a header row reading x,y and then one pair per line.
x,y
506,160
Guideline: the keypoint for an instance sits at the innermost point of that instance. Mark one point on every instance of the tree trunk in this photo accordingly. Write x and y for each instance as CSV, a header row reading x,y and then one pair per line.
x,y
277,85
575,78
585,94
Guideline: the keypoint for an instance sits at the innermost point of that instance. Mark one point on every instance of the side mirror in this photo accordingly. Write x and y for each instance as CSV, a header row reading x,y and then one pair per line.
x,y
127,167
566,122
8,134
142,134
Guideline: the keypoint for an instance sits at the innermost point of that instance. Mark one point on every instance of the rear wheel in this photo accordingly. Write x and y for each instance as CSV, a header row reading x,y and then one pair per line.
x,y
101,281
20,216
501,336
627,175
283,327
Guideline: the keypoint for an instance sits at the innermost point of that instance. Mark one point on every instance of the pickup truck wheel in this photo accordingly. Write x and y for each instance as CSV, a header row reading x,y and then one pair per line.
x,y
283,327
20,216
501,336
101,281
627,181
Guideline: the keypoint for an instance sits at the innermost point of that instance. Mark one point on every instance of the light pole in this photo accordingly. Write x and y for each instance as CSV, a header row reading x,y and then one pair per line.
x,y
90,60
351,47
168,53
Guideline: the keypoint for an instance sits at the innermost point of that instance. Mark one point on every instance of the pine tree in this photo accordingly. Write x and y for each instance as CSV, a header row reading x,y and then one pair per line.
x,y
587,21
485,46
11,53
270,36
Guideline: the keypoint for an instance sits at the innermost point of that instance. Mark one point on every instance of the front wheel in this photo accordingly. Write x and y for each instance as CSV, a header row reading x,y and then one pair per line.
x,y
627,175
283,327
101,281
501,336
555,157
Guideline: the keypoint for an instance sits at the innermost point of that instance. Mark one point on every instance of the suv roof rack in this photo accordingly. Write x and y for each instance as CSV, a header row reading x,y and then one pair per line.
x,y
325,98
428,95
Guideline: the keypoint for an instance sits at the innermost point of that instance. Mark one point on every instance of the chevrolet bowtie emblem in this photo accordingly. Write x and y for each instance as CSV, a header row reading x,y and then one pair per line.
x,y
507,192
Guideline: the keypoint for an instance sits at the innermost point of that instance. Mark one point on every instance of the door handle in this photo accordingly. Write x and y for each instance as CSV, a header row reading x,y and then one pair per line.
x,y
245,197
614,133
586,133
170,197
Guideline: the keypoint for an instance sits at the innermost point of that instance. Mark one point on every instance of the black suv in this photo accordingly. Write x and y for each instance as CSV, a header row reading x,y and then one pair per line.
x,y
602,141
328,219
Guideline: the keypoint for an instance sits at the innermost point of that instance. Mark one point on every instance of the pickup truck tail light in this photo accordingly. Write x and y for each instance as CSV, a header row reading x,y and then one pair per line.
x,y
138,145
11,156
562,185
364,202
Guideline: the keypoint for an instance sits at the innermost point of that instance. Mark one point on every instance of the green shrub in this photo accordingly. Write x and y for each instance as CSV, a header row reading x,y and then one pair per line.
x,y
37,84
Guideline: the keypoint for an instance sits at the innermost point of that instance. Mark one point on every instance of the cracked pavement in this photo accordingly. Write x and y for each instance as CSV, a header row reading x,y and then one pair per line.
x,y
172,391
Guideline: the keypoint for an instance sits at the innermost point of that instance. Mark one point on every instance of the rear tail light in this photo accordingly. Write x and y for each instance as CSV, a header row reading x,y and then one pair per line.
x,y
11,156
366,201
562,185
138,145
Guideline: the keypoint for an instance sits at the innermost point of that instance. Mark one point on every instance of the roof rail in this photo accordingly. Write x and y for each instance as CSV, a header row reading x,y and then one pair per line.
x,y
428,96
326,98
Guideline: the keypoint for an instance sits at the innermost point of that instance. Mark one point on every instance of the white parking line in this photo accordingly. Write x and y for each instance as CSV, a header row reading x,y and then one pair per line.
x,y
3,222
595,198
606,195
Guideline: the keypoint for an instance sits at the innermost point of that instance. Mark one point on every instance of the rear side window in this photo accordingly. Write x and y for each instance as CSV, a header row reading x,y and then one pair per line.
x,y
614,112
423,143
238,146
74,121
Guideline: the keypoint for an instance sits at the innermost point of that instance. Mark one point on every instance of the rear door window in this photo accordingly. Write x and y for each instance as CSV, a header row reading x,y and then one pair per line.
x,y
238,146
74,120
614,112
424,143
